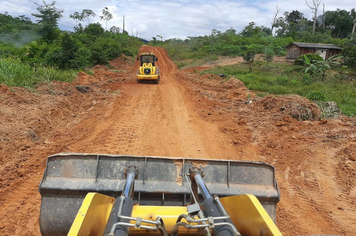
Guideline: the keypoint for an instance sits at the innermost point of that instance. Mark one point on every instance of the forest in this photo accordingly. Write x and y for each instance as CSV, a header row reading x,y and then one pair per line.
x,y
31,53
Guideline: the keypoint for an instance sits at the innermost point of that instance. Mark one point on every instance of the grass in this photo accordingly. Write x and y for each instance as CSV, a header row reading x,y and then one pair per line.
x,y
188,63
15,73
288,79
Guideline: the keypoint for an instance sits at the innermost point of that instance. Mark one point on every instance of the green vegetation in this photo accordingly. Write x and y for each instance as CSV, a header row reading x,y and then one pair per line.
x,y
334,27
312,77
278,78
15,73
318,68
301,60
31,53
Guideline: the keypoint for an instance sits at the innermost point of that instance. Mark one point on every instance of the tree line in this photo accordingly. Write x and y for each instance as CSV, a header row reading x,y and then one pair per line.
x,y
332,27
44,44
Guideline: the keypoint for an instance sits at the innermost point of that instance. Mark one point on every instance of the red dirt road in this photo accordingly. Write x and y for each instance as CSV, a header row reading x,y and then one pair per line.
x,y
185,115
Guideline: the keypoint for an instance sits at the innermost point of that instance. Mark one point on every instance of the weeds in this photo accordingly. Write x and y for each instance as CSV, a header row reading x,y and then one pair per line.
x,y
15,73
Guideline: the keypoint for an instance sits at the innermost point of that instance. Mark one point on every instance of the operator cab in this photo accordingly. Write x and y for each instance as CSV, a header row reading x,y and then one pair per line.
x,y
147,58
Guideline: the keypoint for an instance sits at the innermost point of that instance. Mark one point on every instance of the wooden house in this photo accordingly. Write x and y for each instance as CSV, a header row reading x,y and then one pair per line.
x,y
296,49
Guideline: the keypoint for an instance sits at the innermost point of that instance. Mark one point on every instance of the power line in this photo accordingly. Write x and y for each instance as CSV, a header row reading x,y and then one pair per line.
x,y
9,4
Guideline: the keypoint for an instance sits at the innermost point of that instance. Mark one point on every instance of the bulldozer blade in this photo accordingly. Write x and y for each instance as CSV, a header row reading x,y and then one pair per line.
x,y
68,177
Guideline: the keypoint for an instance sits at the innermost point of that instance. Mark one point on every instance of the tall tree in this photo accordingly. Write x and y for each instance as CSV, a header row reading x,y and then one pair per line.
x,y
339,23
115,29
275,19
353,16
106,15
250,30
77,17
293,17
324,26
86,13
49,16
292,23
314,8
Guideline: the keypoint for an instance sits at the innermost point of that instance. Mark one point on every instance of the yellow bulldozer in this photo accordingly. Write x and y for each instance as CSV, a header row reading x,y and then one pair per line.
x,y
100,194
148,70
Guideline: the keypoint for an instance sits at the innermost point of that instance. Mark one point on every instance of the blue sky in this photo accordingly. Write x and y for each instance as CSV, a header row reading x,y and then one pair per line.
x,y
175,18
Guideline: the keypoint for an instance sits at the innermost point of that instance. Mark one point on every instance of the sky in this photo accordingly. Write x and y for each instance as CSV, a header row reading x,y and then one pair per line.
x,y
175,18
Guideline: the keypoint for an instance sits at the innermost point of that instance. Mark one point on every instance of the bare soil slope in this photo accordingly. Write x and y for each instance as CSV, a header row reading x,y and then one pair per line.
x,y
186,115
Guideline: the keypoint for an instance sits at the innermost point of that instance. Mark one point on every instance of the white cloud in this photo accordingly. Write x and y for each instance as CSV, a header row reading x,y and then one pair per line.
x,y
176,18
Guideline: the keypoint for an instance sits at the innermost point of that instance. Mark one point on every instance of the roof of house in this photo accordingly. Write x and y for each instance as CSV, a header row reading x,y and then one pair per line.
x,y
315,45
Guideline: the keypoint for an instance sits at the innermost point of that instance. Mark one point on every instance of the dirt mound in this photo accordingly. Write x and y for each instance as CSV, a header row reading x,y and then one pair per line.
x,y
297,107
122,62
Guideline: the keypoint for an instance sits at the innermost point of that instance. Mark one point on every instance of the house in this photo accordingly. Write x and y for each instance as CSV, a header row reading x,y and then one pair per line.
x,y
296,49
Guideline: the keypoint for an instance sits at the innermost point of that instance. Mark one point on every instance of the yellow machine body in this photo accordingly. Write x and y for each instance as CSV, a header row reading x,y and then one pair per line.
x,y
148,69
92,215
152,75
149,192
245,211
249,216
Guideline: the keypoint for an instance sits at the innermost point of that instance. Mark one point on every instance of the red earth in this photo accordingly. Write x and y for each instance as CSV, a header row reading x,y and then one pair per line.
x,y
185,115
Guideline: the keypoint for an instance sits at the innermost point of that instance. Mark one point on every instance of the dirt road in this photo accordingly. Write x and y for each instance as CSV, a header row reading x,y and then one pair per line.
x,y
186,115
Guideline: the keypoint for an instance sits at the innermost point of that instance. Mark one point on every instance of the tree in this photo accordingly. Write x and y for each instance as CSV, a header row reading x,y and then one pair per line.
x,y
106,15
49,16
250,30
24,18
293,22
115,30
275,19
86,13
353,16
249,56
349,51
77,17
214,34
339,23
229,37
69,48
314,8
323,18
94,29
293,17
268,56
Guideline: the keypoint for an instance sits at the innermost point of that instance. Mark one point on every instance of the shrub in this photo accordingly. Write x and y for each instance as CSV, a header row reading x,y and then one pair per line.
x,y
269,55
312,58
307,79
316,96
282,80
